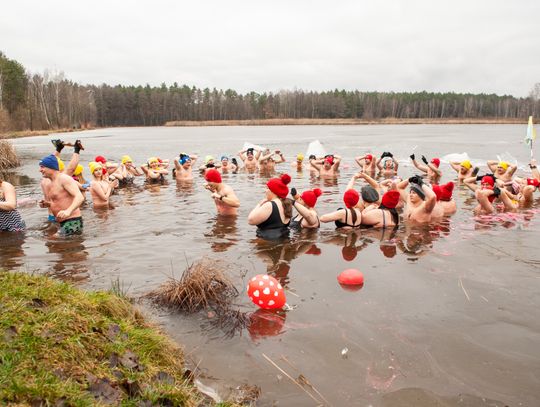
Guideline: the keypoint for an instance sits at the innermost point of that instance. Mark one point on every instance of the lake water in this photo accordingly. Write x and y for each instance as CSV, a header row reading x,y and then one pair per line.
x,y
448,314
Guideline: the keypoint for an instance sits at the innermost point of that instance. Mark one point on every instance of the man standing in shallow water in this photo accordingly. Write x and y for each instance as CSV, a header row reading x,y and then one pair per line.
x,y
226,201
63,197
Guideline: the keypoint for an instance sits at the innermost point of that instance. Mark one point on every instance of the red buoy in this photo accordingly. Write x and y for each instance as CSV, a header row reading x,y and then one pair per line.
x,y
351,277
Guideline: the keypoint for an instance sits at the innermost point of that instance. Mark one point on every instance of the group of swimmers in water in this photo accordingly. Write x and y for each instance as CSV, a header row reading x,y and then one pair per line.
x,y
421,198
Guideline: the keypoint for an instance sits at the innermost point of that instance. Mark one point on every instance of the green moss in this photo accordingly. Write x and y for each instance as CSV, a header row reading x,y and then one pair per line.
x,y
57,342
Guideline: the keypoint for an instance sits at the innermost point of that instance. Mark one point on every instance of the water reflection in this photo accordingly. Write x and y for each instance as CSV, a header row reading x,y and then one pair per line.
x,y
264,323
71,258
11,250
224,233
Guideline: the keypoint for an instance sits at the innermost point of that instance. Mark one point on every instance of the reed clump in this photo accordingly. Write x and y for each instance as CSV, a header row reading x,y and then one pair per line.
x,y
202,285
8,156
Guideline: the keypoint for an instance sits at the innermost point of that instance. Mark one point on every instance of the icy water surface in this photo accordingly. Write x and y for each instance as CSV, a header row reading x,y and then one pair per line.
x,y
448,314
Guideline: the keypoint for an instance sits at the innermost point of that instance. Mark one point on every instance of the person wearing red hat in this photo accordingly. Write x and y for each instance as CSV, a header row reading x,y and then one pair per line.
x,y
444,198
385,214
431,168
305,205
224,197
327,167
485,193
351,216
273,214
367,162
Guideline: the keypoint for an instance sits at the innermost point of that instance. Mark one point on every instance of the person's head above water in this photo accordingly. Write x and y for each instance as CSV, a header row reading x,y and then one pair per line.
x,y
328,161
436,162
466,165
368,158
126,159
502,167
213,175
250,153
299,157
310,197
390,199
417,190
278,186
351,198
369,194
487,182
95,167
50,162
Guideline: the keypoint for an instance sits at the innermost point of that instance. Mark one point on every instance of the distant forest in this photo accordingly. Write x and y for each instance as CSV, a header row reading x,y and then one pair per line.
x,y
50,101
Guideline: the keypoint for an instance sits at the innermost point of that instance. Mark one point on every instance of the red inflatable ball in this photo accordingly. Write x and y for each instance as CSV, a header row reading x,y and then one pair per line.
x,y
266,292
351,277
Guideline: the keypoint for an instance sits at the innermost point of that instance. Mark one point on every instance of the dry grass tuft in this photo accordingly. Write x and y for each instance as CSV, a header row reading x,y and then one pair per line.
x,y
8,156
202,285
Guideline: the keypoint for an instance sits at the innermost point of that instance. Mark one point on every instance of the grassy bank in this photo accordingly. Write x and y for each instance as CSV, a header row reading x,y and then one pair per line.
x,y
62,346
8,156
340,122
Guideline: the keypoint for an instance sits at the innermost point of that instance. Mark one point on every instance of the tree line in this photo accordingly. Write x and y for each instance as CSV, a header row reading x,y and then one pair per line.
x,y
31,101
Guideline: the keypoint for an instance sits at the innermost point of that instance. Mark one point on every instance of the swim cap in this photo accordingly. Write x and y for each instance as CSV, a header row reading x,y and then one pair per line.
x,y
184,158
300,157
310,197
503,164
224,157
369,194
61,164
279,185
208,158
418,190
351,198
50,162
126,159
391,199
153,160
436,162
100,159
213,175
78,170
94,166
446,191
488,180
369,157
467,164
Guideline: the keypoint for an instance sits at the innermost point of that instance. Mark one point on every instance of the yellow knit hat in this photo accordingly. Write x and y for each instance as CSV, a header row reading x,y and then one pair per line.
x,y
94,166
126,159
61,164
78,170
467,164
300,157
504,164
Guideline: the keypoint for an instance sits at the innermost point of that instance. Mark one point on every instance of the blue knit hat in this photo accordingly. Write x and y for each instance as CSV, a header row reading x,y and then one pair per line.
x,y
50,162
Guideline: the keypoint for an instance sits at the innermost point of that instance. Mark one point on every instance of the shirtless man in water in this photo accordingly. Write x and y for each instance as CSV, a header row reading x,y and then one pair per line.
x,y
62,197
502,170
328,167
431,168
226,201
420,201
250,159
464,169
368,163
183,165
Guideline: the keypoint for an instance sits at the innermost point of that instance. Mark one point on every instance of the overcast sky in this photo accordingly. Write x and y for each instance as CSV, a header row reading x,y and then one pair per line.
x,y
411,45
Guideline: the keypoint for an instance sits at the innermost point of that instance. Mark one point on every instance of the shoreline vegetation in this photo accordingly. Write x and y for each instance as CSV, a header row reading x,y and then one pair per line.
x,y
284,122
60,345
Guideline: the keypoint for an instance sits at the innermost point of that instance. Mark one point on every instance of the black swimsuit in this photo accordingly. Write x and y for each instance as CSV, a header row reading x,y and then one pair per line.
x,y
340,224
273,227
296,223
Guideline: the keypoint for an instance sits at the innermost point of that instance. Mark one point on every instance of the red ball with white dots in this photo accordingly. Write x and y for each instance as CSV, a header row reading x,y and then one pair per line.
x,y
266,292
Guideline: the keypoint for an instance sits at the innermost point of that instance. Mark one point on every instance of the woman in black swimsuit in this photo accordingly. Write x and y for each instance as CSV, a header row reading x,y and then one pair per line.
x,y
385,214
273,214
307,215
351,216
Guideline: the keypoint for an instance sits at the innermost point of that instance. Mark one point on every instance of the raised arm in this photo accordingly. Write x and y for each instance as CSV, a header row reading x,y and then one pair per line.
x,y
455,166
431,198
492,165
470,183
337,161
306,213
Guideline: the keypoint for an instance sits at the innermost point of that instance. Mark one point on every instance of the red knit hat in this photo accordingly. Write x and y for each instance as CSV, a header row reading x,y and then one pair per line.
x,y
279,185
436,162
391,199
310,197
351,197
488,180
213,175
329,160
446,191
438,192
100,159
369,157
